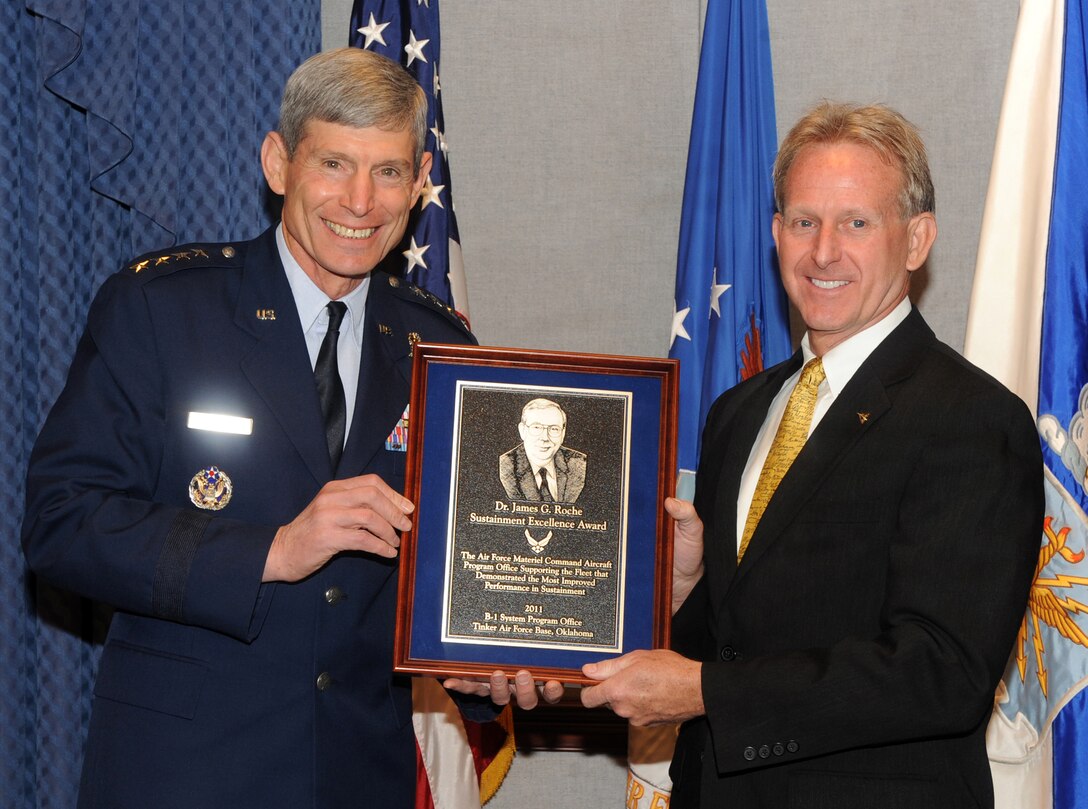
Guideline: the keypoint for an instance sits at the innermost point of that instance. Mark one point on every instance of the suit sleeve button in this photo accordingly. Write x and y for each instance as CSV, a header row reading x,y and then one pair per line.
x,y
764,752
791,746
334,595
727,653
749,753
324,680
778,749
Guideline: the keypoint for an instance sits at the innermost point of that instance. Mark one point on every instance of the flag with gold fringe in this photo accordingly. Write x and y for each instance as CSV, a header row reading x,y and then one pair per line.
x,y
460,764
1028,326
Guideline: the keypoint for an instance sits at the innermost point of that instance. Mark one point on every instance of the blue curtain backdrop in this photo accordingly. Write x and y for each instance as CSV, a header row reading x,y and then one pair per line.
x,y
129,125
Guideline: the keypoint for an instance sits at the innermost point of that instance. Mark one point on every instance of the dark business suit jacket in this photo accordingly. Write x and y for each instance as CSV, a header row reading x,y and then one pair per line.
x,y
851,657
208,692
516,474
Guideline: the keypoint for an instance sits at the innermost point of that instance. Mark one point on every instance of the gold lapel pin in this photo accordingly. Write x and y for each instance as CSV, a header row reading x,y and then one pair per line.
x,y
266,314
383,329
863,417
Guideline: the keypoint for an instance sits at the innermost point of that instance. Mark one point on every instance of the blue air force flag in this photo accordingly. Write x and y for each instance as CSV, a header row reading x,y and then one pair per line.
x,y
730,318
1028,326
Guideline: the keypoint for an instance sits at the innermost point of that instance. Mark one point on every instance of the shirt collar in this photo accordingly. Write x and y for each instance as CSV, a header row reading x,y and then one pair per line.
x,y
310,301
843,361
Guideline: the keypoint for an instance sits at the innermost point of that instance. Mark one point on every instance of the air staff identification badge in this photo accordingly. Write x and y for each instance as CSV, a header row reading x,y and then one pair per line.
x,y
210,489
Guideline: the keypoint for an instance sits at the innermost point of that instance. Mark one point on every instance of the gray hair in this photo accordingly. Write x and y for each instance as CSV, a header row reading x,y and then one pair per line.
x,y
353,87
542,404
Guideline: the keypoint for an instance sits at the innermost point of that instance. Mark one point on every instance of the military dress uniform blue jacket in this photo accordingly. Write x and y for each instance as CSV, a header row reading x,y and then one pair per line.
x,y
214,689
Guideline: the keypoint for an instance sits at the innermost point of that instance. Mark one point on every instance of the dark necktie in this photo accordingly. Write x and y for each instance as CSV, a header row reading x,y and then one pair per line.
x,y
545,492
329,387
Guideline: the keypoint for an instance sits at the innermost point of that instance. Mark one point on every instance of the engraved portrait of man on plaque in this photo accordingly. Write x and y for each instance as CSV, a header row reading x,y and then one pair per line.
x,y
541,468
539,543
539,539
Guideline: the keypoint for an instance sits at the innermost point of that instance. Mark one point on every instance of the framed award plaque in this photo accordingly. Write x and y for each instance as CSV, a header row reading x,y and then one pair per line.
x,y
539,539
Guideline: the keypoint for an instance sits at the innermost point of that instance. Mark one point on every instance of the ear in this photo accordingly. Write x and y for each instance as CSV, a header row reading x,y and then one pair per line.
x,y
921,233
776,228
421,177
274,161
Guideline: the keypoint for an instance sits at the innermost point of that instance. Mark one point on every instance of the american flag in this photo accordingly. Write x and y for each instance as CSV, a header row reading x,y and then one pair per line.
x,y
407,31
460,765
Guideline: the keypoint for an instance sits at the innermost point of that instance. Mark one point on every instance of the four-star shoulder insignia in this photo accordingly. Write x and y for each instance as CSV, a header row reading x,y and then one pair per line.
x,y
409,291
186,255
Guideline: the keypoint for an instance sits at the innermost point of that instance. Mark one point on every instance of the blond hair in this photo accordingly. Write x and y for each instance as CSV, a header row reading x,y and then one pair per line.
x,y
876,126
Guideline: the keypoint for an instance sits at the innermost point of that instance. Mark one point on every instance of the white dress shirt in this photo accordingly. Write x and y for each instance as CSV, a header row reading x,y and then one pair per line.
x,y
840,365
310,302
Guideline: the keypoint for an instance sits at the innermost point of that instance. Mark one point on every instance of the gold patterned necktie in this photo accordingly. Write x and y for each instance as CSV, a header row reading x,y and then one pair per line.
x,y
791,436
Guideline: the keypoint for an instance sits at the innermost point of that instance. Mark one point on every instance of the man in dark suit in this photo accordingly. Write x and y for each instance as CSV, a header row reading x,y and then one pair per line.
x,y
540,467
840,634
221,468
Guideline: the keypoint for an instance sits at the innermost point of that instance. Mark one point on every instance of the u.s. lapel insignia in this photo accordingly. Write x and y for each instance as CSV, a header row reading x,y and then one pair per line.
x,y
397,441
266,314
210,489
413,338
862,418
383,329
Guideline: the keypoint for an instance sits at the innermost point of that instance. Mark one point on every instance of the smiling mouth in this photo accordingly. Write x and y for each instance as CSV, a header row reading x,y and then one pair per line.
x,y
816,282
349,233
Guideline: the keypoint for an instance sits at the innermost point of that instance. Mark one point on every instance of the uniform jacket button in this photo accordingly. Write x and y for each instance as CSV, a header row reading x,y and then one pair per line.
x,y
749,753
791,746
334,595
727,653
764,751
778,748
324,680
